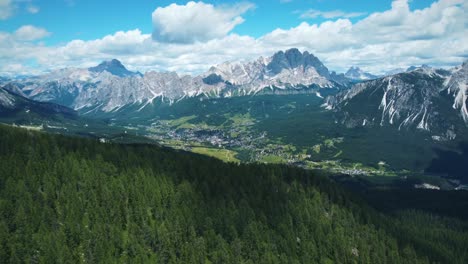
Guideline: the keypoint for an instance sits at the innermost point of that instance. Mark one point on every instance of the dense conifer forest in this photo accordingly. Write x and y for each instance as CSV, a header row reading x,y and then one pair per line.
x,y
75,200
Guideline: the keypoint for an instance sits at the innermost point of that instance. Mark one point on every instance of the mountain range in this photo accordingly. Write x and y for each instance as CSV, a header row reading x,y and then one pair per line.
x,y
110,86
421,97
357,74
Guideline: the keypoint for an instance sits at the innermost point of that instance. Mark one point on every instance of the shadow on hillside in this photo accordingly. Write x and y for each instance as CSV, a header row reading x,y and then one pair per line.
x,y
451,164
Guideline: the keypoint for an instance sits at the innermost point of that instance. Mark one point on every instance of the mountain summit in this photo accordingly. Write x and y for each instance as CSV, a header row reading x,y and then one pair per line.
x,y
356,73
285,71
424,66
114,67
293,58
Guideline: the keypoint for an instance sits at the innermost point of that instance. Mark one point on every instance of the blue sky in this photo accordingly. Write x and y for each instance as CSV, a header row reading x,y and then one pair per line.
x,y
146,35
91,19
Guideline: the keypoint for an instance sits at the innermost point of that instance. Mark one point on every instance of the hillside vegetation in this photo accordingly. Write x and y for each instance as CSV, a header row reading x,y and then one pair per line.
x,y
75,200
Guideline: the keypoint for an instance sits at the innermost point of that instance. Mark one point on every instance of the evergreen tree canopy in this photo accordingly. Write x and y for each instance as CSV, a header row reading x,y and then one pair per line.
x,y
70,200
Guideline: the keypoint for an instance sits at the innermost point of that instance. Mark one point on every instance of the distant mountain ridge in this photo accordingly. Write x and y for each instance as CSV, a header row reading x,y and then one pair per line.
x,y
422,98
355,73
110,86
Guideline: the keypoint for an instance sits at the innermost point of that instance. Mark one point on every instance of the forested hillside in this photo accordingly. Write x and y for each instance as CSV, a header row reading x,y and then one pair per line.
x,y
75,200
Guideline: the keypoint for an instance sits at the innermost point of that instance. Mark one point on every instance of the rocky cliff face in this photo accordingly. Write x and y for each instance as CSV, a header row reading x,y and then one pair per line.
x,y
425,98
457,86
288,71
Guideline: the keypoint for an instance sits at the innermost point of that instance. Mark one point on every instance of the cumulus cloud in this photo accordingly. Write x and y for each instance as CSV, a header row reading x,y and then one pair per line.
x,y
30,33
196,21
382,40
442,19
6,9
328,36
313,13
396,38
15,53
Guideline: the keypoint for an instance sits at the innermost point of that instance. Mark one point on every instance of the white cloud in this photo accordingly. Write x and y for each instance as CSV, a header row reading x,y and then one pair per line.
x,y
328,36
398,37
313,13
443,19
6,9
196,21
33,9
9,7
30,32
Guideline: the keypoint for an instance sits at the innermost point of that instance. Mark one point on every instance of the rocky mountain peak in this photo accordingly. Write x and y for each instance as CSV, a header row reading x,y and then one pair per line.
x,y
293,58
357,73
424,67
353,70
114,67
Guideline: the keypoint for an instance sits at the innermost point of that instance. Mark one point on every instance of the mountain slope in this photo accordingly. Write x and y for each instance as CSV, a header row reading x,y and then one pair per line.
x,y
15,107
425,98
139,203
457,86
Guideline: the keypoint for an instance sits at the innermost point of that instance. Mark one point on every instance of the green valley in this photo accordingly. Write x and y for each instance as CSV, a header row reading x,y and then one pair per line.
x,y
287,129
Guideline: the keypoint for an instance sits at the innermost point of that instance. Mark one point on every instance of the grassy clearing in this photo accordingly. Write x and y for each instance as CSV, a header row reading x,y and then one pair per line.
x,y
222,154
240,119
272,159
177,123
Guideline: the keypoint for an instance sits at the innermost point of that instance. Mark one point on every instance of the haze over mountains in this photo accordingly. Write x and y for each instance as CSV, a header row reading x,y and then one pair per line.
x,y
355,73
